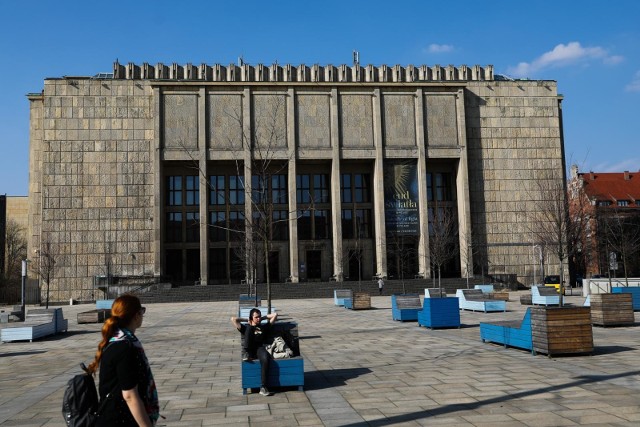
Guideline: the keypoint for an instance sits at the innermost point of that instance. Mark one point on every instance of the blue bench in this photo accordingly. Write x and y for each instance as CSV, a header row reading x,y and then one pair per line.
x,y
340,295
633,290
486,289
405,306
510,333
38,323
474,300
440,313
544,295
104,303
287,372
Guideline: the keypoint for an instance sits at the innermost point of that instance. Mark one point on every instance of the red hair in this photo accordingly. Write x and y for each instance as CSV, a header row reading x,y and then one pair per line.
x,y
123,310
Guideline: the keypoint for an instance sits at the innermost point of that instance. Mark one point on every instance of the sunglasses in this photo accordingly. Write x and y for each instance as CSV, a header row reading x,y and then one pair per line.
x,y
143,310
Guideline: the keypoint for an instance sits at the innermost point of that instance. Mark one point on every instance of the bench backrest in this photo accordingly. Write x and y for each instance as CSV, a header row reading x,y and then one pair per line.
x,y
408,301
473,294
547,291
288,331
343,293
434,293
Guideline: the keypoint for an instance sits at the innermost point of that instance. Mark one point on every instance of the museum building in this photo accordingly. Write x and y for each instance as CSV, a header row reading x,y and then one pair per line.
x,y
217,174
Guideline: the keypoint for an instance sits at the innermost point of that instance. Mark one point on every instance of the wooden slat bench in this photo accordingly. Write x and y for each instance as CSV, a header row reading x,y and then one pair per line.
x,y
544,295
612,309
287,372
510,333
339,296
633,290
561,330
474,300
434,293
94,316
405,306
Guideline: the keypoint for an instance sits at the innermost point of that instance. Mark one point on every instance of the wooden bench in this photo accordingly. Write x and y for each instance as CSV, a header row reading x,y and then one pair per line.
x,y
544,295
510,333
359,301
633,290
339,296
94,316
434,293
474,300
561,330
38,323
287,372
612,309
405,306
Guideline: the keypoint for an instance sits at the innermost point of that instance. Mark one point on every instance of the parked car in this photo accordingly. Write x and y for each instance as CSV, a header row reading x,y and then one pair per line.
x,y
553,280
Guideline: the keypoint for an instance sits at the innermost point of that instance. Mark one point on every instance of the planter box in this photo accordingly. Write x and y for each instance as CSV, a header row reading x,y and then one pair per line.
x,y
561,330
612,309
359,301
526,299
440,313
94,316
502,295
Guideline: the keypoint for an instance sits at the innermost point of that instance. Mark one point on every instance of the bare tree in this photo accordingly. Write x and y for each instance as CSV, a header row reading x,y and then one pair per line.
x,y
45,264
16,251
552,224
405,255
443,238
621,235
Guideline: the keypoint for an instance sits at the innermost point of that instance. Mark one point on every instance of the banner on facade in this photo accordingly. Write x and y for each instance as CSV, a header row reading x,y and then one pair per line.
x,y
401,198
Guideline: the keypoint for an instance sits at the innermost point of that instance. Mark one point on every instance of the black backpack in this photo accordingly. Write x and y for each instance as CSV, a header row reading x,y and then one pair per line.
x,y
80,404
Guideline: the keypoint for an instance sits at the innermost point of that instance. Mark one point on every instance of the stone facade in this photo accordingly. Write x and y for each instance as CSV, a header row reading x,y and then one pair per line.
x,y
103,149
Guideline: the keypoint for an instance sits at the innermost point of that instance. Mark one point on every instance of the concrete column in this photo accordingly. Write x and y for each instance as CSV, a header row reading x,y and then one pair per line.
x,y
378,187
424,263
247,133
203,184
336,202
157,219
462,186
291,186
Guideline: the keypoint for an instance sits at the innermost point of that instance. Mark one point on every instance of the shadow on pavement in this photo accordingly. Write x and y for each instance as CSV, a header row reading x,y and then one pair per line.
x,y
329,378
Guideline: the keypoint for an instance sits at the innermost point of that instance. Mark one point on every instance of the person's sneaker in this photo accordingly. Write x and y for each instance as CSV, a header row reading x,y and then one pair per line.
x,y
264,391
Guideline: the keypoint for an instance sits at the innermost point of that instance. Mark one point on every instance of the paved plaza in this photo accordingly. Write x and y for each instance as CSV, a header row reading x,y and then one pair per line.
x,y
361,368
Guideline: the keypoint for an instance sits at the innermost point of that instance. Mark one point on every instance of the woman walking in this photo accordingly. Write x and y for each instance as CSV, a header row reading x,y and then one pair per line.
x,y
126,381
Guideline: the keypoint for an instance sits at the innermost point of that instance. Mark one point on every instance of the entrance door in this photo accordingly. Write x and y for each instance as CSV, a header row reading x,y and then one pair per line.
x,y
314,264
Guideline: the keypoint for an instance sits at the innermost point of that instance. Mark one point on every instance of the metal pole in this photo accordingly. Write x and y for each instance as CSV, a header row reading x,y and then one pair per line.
x,y
24,287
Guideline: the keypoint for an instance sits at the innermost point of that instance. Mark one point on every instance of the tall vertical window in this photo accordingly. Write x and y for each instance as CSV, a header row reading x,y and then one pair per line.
x,y
347,224
236,190
321,223
218,226
279,189
217,190
439,187
173,227
236,225
174,191
361,187
363,223
192,191
303,189
280,230
193,227
345,188
355,191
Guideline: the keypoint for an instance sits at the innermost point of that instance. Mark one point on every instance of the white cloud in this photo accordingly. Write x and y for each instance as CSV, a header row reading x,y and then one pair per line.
x,y
630,164
634,86
562,56
439,48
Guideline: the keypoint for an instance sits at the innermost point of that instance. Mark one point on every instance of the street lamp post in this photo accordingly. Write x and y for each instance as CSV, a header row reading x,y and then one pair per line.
x,y
534,264
24,287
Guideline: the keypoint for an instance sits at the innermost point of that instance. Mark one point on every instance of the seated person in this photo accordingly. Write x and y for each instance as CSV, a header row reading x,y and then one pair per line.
x,y
256,335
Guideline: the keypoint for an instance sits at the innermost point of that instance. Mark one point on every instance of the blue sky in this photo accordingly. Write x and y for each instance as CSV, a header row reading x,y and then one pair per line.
x,y
591,48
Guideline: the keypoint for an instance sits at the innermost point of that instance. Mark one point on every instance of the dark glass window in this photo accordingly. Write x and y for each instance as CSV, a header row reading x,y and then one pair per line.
x,y
218,263
236,190
218,231
236,226
173,230
304,225
258,190
347,224
439,187
174,191
303,189
363,223
279,189
362,192
321,188
217,190
345,188
321,223
280,230
192,191
193,226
